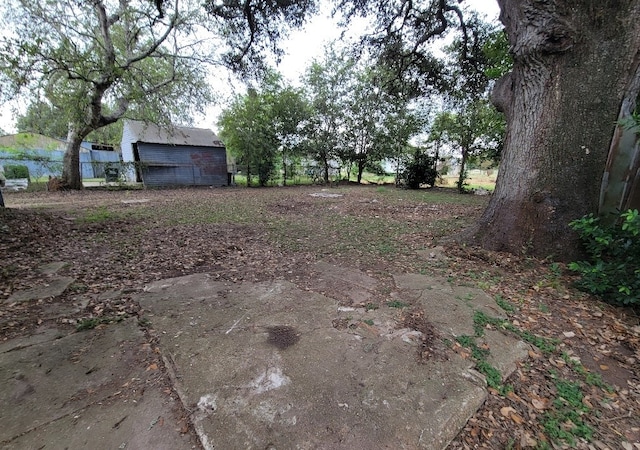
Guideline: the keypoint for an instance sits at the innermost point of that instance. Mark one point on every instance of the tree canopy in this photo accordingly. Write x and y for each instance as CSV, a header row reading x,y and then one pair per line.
x,y
43,118
262,124
96,62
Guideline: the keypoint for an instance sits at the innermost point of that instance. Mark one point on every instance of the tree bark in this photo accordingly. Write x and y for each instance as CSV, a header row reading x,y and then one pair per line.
x,y
463,168
574,62
360,170
71,174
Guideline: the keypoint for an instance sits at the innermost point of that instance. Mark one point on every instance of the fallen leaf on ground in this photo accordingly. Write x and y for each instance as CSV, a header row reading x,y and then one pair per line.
x,y
507,410
539,403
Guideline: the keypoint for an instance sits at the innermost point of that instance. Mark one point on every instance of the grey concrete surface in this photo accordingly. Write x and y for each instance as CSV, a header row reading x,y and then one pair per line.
x,y
320,386
84,390
255,366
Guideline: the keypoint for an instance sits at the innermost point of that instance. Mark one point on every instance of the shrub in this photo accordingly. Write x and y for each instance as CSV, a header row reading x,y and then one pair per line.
x,y
420,171
15,171
613,268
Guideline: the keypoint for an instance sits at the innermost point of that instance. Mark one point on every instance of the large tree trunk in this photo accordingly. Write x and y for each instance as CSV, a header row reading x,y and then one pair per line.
x,y
71,175
574,65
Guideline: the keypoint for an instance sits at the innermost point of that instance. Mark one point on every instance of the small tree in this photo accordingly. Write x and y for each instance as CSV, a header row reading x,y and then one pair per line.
x,y
421,170
476,130
327,89
262,123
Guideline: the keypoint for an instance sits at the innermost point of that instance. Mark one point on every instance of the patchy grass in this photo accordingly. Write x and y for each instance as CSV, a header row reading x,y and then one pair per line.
x,y
397,304
99,214
504,304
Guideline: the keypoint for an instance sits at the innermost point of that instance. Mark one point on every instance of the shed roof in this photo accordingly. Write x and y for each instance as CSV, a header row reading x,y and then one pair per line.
x,y
151,133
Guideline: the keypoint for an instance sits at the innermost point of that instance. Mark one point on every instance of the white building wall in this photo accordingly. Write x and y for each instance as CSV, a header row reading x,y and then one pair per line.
x,y
126,146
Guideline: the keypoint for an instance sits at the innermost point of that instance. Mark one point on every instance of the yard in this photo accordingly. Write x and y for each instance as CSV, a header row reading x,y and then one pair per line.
x,y
580,386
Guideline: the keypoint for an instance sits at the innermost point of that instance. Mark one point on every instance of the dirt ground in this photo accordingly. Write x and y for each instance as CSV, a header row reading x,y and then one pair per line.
x,y
118,241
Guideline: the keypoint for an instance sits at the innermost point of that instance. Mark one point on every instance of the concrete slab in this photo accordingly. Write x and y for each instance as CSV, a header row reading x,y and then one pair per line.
x,y
53,287
258,365
52,268
41,335
450,308
149,422
75,391
263,366
350,286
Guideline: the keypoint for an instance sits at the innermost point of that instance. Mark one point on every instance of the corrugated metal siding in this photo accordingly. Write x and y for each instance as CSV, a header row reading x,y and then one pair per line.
x,y
92,164
86,168
621,178
41,163
167,165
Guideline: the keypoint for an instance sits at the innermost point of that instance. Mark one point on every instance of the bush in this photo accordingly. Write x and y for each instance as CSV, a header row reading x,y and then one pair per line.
x,y
15,171
613,269
420,171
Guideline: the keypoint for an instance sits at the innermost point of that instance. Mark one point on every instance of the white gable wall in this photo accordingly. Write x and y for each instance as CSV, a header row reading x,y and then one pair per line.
x,y
126,146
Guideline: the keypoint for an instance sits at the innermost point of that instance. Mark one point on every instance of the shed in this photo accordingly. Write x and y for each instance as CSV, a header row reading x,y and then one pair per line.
x,y
175,156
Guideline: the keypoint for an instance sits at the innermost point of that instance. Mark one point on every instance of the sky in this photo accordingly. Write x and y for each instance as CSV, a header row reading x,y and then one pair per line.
x,y
302,47
306,44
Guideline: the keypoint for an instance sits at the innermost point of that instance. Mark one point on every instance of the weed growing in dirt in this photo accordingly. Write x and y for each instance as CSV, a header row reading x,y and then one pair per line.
x,y
591,378
78,288
565,421
480,355
396,304
543,308
504,304
481,320
90,324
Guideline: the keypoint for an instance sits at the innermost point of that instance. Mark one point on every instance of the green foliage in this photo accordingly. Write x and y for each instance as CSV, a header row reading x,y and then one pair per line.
x,y
481,320
421,170
496,51
251,30
262,125
476,129
93,322
504,304
396,304
88,64
591,378
565,421
15,171
480,355
613,268
100,214
377,125
327,88
43,118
